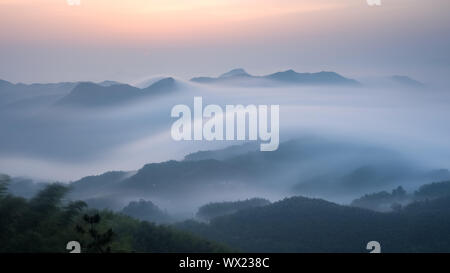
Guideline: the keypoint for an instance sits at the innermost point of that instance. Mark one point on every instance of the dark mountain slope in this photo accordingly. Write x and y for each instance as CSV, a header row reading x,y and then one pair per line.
x,y
296,167
94,95
300,224
91,94
10,92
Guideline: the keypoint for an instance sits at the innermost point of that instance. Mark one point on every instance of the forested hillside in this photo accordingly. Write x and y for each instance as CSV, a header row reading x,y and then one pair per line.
x,y
301,224
48,221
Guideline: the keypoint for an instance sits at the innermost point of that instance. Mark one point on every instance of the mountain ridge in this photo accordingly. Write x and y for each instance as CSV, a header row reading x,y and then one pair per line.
x,y
88,94
300,224
287,77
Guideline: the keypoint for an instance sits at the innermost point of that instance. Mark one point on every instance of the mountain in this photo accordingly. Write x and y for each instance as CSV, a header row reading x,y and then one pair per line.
x,y
172,180
238,72
385,201
85,94
97,183
241,77
433,191
161,87
393,82
300,224
214,210
320,78
5,84
242,172
406,81
89,94
183,179
228,77
149,81
109,83
146,211
223,154
10,93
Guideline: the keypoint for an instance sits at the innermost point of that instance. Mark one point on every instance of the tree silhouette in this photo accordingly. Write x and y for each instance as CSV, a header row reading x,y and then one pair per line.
x,y
4,182
99,242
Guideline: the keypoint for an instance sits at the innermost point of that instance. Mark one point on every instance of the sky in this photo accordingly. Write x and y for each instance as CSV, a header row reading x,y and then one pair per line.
x,y
52,41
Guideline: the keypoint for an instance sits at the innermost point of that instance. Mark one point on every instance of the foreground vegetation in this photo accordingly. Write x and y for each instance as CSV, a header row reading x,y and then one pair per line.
x,y
47,221
300,224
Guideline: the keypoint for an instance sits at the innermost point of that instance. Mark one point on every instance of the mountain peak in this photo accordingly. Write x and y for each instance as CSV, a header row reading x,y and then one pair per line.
x,y
92,94
165,84
4,83
84,85
321,78
287,77
290,71
234,72
108,83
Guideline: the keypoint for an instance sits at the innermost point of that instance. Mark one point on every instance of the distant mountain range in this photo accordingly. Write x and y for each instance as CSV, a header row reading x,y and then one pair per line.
x,y
86,94
212,173
406,81
240,76
89,94
10,92
106,93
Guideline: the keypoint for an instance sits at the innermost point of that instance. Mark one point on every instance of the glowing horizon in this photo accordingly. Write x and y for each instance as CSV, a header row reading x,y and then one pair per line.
x,y
142,21
98,38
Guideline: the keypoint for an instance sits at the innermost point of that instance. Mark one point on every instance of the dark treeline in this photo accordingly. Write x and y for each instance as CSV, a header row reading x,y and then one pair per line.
x,y
147,211
385,201
301,224
48,221
213,210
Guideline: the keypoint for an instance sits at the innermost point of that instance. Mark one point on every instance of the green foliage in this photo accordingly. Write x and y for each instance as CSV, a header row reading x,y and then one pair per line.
x,y
49,199
433,190
46,222
37,225
71,210
162,239
4,182
147,211
385,201
301,224
97,241
382,201
213,210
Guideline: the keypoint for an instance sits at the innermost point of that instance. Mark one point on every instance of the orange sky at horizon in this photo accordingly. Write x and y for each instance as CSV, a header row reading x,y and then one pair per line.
x,y
128,39
140,21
